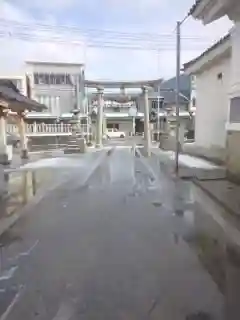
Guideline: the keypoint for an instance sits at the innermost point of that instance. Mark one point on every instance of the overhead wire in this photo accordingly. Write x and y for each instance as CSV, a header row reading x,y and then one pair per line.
x,y
87,38
95,32
96,43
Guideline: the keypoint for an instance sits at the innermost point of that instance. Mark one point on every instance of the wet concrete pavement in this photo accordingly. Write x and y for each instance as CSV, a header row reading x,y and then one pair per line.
x,y
124,246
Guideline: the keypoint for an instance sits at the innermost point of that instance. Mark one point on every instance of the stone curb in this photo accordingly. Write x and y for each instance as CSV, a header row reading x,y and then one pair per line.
x,y
198,184
7,223
214,198
194,172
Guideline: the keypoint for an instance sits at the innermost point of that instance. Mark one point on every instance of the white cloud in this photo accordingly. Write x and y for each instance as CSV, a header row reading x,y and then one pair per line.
x,y
50,45
44,4
9,11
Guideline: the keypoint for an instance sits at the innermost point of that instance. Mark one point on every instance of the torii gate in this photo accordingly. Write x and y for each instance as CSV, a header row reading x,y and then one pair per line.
x,y
122,85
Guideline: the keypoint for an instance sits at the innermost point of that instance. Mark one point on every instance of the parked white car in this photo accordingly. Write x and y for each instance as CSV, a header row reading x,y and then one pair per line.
x,y
115,133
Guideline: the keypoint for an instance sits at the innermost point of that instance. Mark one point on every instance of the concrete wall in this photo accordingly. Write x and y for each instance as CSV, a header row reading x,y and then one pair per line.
x,y
125,126
65,95
212,87
3,186
233,154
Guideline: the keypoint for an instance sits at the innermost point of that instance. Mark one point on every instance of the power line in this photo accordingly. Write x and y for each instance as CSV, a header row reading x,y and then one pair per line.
x,y
95,43
94,32
57,38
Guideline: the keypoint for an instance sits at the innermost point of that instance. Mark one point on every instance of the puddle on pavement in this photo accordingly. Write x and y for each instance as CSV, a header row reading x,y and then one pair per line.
x,y
219,256
157,204
21,187
37,176
215,249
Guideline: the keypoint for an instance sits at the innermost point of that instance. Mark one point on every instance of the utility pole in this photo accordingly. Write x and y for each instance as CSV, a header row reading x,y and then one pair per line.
x,y
147,136
178,66
78,92
158,109
99,118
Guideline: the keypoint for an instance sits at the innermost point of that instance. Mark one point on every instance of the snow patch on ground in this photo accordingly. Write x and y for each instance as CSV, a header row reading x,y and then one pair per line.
x,y
55,163
187,160
194,162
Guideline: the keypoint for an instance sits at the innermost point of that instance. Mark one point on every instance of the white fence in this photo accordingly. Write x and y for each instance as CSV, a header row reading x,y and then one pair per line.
x,y
42,129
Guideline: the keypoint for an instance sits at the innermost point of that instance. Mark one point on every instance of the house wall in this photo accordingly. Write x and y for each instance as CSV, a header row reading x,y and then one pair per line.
x,y
233,154
233,135
212,105
59,98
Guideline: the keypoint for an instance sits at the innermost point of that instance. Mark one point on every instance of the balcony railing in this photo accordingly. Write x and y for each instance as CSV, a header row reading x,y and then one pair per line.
x,y
42,129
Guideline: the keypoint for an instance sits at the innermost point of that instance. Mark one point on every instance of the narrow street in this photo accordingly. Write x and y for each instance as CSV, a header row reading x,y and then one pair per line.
x,y
130,244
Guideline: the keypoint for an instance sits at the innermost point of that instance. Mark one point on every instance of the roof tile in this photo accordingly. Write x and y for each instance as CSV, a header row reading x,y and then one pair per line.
x,y
221,41
194,7
9,92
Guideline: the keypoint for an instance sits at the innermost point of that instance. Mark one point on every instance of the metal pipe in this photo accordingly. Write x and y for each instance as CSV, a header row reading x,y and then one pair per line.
x,y
78,93
158,107
178,66
147,136
99,118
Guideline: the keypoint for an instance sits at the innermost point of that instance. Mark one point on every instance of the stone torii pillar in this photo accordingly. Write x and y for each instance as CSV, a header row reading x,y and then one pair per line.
x,y
147,134
3,137
99,118
22,133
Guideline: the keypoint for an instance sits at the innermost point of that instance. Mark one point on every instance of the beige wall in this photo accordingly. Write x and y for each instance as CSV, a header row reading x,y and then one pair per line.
x,y
212,105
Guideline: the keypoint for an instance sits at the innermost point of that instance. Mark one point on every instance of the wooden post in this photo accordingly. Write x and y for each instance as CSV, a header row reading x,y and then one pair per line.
x,y
23,137
99,118
4,159
34,183
147,135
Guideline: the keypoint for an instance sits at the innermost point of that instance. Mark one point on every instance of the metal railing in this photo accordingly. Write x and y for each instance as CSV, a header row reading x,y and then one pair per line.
x,y
36,129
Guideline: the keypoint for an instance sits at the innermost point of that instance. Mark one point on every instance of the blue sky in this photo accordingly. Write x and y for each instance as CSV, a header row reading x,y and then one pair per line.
x,y
128,16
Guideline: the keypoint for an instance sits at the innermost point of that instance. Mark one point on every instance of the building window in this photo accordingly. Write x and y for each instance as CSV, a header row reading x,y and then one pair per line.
x,y
52,79
194,102
113,126
83,121
155,104
68,79
36,81
234,116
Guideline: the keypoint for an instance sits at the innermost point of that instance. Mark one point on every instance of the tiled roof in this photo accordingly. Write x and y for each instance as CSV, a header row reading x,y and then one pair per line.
x,y
9,92
220,42
194,7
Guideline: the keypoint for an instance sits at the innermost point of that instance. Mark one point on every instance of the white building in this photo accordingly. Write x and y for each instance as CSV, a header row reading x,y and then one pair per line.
x,y
211,72
19,81
222,83
59,86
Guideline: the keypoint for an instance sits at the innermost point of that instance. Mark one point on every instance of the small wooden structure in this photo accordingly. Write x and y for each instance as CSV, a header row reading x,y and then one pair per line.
x,y
14,103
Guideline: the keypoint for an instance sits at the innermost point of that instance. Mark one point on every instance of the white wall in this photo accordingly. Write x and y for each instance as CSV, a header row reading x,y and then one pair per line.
x,y
125,126
212,105
234,90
